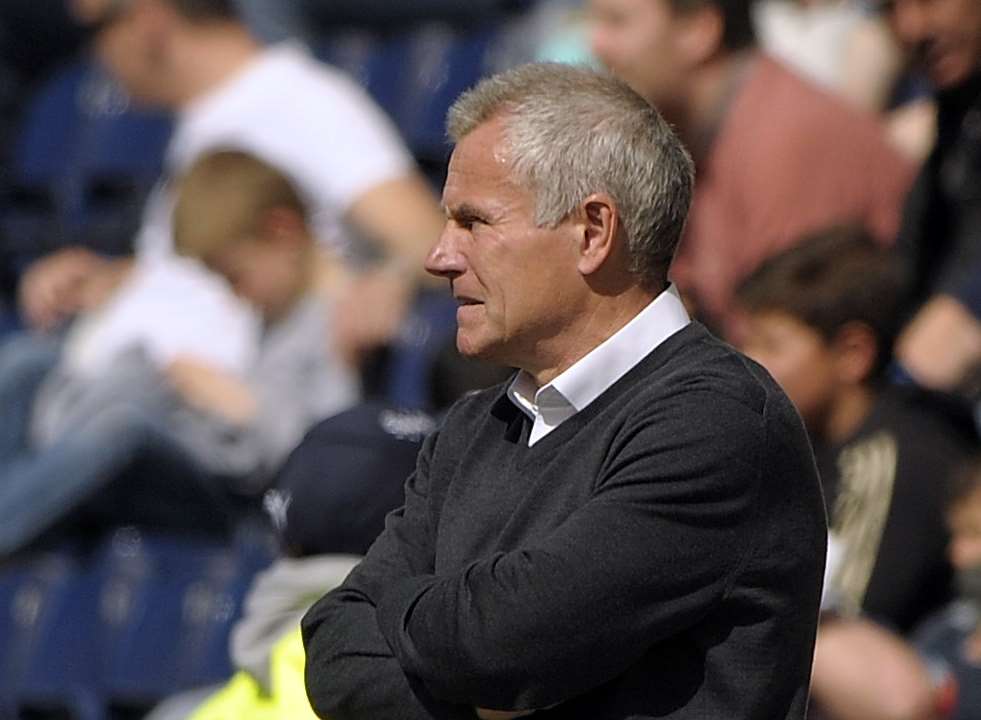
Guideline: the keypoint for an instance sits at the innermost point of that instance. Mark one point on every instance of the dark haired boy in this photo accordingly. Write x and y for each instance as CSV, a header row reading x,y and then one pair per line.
x,y
821,319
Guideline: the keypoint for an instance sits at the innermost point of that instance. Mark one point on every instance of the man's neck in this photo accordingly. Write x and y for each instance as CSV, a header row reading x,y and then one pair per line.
x,y
594,326
711,92
210,56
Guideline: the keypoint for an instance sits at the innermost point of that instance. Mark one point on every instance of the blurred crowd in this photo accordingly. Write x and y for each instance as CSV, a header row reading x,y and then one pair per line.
x,y
249,330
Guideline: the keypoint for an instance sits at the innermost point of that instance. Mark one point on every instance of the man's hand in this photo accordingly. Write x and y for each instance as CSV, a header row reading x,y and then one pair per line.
x,y
941,344
52,288
213,391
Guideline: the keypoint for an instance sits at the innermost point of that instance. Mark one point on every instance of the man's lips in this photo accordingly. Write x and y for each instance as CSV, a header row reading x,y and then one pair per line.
x,y
463,301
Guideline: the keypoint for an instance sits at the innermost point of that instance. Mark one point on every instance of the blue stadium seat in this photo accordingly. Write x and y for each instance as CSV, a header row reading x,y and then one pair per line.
x,y
80,168
50,638
414,74
140,617
443,63
168,605
429,326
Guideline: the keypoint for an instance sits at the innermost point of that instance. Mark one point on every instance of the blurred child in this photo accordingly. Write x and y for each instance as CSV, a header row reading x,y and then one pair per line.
x,y
951,641
821,319
174,448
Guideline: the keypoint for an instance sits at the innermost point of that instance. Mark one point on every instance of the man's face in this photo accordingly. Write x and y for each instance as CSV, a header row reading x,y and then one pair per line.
x,y
516,283
945,36
965,532
638,41
797,357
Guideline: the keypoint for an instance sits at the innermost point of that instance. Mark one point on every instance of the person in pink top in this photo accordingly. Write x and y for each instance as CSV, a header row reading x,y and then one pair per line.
x,y
776,156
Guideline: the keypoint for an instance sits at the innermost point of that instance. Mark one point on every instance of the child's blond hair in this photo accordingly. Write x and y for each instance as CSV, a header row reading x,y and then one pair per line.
x,y
223,199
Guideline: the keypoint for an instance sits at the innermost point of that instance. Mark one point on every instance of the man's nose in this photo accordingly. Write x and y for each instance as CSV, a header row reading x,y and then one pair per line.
x,y
445,259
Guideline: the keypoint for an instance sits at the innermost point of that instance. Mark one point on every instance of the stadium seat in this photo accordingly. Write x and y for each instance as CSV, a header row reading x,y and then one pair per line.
x,y
80,167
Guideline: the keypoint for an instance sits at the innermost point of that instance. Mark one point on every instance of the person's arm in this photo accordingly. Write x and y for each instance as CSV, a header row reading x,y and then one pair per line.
x,y
673,515
943,340
403,216
213,391
351,672
864,672
54,288
941,344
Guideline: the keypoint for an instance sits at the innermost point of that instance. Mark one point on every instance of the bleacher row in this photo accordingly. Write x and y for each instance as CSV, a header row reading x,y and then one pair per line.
x,y
93,631
113,628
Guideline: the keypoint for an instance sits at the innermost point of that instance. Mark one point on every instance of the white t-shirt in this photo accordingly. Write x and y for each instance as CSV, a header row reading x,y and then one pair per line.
x,y
811,39
301,116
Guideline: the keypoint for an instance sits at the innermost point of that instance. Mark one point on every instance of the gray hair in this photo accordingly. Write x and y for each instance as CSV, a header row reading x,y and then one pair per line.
x,y
573,131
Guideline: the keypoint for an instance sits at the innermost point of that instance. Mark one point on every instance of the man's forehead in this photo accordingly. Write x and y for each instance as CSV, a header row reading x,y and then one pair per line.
x,y
480,161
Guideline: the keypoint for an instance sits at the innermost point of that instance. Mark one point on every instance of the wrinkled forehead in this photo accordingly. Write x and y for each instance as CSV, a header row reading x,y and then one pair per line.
x,y
481,161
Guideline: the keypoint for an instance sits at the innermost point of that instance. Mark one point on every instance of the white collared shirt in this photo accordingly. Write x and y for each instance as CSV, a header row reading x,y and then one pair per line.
x,y
589,377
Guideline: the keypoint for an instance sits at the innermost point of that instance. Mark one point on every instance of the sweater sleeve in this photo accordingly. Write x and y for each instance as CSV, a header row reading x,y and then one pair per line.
x,y
350,670
671,520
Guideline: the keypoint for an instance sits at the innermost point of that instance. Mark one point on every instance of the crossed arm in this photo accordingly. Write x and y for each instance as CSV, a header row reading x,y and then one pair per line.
x,y
535,627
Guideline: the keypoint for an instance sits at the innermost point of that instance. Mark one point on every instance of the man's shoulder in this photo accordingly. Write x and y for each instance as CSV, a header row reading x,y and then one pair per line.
x,y
703,365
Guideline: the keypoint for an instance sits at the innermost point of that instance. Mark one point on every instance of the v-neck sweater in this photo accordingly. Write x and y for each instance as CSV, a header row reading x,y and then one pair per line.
x,y
659,554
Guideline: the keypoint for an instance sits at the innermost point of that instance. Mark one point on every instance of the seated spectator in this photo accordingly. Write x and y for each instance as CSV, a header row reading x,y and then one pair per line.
x,y
821,319
941,234
777,157
198,59
165,441
847,48
951,640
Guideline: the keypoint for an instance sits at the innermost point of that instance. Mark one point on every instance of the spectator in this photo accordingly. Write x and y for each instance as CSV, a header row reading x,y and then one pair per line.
x,y
821,319
847,47
776,156
197,58
941,235
165,441
951,641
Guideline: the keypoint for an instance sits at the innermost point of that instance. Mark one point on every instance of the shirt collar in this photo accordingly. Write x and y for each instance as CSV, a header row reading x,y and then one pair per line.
x,y
575,388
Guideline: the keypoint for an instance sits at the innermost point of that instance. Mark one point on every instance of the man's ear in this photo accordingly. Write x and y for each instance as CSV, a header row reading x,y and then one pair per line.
x,y
856,350
700,36
600,226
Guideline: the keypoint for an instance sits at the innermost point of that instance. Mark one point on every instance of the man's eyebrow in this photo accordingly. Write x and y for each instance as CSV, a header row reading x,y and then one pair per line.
x,y
465,211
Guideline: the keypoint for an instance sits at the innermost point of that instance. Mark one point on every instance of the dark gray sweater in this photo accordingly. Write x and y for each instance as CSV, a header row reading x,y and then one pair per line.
x,y
658,555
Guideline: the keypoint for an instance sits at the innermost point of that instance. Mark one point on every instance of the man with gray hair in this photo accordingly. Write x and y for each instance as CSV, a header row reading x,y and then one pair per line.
x,y
631,527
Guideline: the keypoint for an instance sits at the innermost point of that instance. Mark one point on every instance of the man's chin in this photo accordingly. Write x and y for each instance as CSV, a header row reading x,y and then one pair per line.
x,y
475,348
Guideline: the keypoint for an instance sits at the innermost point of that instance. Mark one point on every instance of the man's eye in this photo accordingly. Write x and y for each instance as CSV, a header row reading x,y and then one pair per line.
x,y
468,223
